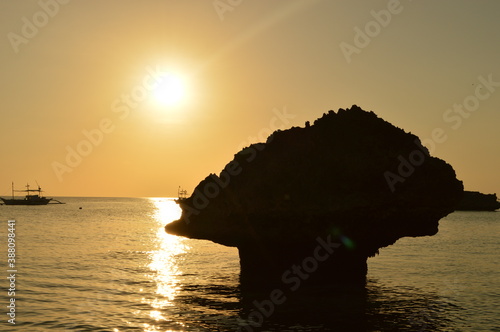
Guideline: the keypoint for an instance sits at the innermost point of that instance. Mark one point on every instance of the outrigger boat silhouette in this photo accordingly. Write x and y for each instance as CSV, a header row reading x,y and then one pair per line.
x,y
29,199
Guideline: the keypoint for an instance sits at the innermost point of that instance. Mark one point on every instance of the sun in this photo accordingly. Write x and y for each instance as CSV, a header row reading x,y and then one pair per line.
x,y
171,91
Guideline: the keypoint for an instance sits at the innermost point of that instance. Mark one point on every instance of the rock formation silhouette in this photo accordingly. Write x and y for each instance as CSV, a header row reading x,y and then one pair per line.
x,y
476,201
312,204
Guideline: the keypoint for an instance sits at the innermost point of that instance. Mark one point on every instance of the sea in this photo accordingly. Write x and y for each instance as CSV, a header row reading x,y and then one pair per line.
x,y
106,264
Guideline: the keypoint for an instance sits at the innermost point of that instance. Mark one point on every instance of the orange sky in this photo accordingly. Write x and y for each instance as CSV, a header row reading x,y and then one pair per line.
x,y
79,84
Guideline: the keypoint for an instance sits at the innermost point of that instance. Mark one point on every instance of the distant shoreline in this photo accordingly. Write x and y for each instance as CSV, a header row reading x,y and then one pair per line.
x,y
476,201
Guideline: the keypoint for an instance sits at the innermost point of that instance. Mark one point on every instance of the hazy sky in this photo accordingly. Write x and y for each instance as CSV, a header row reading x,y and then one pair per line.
x,y
134,98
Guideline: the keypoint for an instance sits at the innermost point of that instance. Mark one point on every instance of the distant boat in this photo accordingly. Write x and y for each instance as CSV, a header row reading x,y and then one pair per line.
x,y
29,199
181,195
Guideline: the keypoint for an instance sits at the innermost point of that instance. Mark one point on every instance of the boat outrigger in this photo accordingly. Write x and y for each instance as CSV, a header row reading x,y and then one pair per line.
x,y
29,199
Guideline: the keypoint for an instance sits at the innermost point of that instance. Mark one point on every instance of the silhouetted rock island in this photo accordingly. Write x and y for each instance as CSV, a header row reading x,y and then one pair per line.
x,y
476,201
312,204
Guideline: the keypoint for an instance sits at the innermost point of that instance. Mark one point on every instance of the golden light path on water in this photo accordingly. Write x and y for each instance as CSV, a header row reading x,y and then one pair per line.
x,y
164,261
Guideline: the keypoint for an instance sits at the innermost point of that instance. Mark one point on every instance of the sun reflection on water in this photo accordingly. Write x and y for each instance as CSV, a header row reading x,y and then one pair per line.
x,y
164,260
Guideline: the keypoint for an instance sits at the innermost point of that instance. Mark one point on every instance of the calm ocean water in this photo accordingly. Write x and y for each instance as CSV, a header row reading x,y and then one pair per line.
x,y
110,266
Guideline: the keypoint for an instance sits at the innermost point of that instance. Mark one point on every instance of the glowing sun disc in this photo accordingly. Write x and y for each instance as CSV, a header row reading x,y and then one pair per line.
x,y
170,91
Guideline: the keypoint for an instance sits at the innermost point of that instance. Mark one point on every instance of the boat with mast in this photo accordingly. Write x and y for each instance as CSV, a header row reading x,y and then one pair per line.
x,y
182,195
30,198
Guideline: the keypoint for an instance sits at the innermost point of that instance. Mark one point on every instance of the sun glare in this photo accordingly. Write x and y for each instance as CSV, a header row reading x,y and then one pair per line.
x,y
171,91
